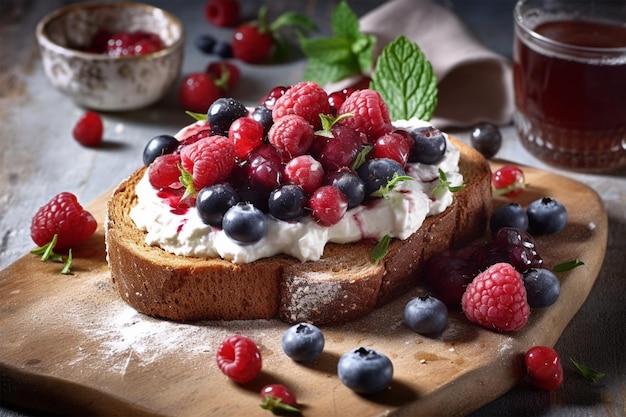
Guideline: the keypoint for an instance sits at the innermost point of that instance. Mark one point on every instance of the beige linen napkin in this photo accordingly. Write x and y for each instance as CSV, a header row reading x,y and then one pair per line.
x,y
474,83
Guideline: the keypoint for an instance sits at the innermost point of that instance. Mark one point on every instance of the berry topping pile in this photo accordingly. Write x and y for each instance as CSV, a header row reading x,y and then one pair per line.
x,y
64,217
293,156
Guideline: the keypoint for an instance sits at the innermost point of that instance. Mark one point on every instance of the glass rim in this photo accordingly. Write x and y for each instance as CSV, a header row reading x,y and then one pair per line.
x,y
520,22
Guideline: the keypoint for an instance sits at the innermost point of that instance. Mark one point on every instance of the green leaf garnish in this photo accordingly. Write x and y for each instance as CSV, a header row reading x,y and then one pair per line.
x,y
388,188
361,157
198,116
47,254
444,185
66,267
276,405
186,179
381,249
328,121
588,373
566,266
347,52
47,251
406,81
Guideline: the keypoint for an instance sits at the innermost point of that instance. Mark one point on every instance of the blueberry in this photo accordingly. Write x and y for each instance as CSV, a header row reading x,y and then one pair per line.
x,y
351,185
205,43
365,371
263,115
223,49
303,342
288,202
546,216
157,146
222,113
245,224
542,287
486,139
377,173
509,215
426,315
214,201
429,145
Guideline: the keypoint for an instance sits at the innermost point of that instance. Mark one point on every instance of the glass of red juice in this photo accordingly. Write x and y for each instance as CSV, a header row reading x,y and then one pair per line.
x,y
569,75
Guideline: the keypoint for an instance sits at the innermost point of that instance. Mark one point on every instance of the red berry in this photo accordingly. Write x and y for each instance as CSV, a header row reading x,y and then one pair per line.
x,y
88,129
291,135
339,150
328,205
209,160
306,99
239,358
370,113
274,94
225,74
197,92
163,172
133,43
223,13
246,134
392,146
251,44
277,397
337,98
306,172
508,180
496,299
65,217
544,367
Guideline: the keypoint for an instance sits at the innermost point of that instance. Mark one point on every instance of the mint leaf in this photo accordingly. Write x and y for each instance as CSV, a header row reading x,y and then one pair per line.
x,y
381,249
292,19
347,52
197,116
566,266
47,251
344,22
406,81
591,374
66,267
361,157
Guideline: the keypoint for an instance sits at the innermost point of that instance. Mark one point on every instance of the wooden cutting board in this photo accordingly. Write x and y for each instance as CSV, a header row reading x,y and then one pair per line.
x,y
69,344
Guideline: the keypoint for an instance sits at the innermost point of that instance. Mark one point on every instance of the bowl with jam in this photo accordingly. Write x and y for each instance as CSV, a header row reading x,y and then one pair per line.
x,y
116,56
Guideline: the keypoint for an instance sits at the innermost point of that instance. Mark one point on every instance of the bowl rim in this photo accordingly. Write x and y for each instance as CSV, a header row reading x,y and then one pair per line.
x,y
44,40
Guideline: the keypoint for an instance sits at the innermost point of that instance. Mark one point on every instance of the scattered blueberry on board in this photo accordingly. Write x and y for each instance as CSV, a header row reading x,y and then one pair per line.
x,y
426,315
303,342
365,371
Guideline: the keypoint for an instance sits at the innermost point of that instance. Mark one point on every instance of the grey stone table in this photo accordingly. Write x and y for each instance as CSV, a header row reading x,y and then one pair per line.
x,y
38,159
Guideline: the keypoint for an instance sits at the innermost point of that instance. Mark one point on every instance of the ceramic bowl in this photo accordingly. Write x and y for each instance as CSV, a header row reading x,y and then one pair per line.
x,y
101,82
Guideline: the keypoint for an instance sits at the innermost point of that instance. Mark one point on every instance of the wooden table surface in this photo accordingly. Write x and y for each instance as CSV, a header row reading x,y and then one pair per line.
x,y
38,159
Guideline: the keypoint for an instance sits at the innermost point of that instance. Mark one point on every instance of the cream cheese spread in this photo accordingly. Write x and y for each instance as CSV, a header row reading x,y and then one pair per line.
x,y
398,216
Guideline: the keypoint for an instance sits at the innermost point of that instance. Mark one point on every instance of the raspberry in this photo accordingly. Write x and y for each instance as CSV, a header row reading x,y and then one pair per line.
x,y
306,99
163,172
291,135
208,160
88,129
223,13
197,92
306,172
239,358
371,116
496,299
65,217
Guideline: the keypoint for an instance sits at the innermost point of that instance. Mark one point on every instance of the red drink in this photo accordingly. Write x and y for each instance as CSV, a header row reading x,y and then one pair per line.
x,y
570,88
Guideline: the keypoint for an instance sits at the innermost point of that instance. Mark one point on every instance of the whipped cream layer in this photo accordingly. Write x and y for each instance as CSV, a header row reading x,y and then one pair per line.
x,y
399,216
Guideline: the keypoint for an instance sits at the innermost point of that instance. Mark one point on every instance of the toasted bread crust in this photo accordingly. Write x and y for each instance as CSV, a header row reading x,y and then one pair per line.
x,y
343,285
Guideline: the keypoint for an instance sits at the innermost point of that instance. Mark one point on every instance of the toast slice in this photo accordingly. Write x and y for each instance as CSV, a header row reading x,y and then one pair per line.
x,y
343,285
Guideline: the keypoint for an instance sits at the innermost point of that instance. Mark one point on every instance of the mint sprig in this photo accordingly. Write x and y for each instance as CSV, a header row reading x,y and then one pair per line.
x,y
444,185
566,266
386,190
406,81
347,52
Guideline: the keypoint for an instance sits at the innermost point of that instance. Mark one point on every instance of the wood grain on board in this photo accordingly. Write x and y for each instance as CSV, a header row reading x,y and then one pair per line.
x,y
70,345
